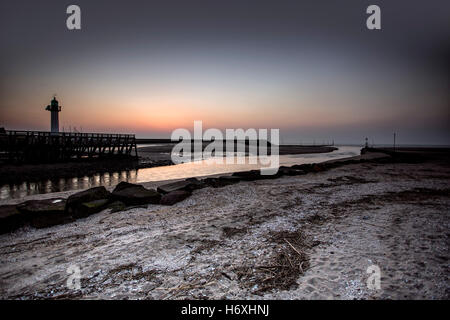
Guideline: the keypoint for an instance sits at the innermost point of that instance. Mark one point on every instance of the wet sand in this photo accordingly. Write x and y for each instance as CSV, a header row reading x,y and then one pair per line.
x,y
302,237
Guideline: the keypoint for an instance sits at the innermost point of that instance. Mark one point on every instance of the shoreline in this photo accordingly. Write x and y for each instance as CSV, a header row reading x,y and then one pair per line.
x,y
236,242
149,157
424,155
156,184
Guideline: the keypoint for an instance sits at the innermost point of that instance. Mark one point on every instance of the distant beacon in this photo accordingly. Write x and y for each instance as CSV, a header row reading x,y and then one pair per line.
x,y
54,108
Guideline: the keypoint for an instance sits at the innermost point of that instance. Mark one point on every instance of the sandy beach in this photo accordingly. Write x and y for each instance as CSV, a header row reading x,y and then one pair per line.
x,y
260,155
299,237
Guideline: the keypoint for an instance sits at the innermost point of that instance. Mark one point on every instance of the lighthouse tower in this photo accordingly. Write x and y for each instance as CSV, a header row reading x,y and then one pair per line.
x,y
54,109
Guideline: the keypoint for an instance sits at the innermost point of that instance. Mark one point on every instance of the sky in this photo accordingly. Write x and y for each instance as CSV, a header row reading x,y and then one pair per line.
x,y
309,68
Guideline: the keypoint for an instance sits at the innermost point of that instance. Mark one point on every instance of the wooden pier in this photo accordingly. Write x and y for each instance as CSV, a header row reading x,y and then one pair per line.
x,y
45,147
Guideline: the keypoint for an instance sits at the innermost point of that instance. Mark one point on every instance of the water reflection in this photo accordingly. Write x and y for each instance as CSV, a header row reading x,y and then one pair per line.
x,y
180,171
13,191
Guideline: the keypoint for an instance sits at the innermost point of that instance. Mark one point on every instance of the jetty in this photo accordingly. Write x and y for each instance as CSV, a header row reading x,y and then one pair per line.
x,y
47,147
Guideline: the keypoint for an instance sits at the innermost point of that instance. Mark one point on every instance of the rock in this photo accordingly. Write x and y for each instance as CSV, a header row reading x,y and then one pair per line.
x,y
221,181
331,165
173,197
89,195
186,185
227,180
305,167
91,207
136,195
123,185
45,213
211,182
10,219
74,204
318,168
195,184
116,206
297,172
248,175
255,175
289,171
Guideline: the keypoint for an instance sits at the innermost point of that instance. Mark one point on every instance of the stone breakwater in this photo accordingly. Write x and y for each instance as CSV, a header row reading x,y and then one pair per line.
x,y
54,211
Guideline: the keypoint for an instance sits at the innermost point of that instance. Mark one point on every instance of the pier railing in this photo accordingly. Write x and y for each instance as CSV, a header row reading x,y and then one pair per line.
x,y
44,146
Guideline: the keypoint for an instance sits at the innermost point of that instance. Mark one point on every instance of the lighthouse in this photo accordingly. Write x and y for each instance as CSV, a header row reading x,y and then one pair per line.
x,y
54,109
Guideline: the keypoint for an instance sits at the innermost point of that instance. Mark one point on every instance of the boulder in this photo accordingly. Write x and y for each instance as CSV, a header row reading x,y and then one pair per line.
x,y
248,175
318,168
173,197
296,172
221,181
211,182
123,185
116,206
289,171
305,167
227,180
45,213
331,165
284,171
186,185
135,194
195,184
75,203
91,194
10,219
87,208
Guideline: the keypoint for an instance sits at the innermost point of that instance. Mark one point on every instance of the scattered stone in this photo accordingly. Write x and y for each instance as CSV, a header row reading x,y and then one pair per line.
x,y
307,167
248,175
91,207
296,172
195,184
116,206
173,197
136,195
227,180
75,203
186,185
221,181
123,185
10,219
211,182
45,213
289,171
318,168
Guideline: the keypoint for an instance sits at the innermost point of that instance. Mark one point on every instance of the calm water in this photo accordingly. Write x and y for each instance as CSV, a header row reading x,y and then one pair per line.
x,y
180,171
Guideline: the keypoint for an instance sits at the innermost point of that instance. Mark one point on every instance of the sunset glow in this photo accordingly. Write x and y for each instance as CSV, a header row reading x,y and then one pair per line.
x,y
144,79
